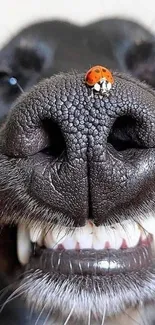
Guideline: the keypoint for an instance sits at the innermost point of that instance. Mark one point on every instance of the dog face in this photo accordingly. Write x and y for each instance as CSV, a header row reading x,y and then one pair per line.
x,y
77,187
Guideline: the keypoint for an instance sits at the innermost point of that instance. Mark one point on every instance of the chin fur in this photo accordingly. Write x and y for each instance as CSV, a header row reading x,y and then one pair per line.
x,y
60,295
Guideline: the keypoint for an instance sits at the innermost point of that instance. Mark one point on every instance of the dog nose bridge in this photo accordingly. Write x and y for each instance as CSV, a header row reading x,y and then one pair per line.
x,y
88,140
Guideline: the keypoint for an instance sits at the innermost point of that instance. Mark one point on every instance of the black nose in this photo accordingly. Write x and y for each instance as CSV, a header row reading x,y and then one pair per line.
x,y
84,157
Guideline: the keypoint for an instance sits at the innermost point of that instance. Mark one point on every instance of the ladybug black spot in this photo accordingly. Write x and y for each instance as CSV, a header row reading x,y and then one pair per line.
x,y
97,70
104,70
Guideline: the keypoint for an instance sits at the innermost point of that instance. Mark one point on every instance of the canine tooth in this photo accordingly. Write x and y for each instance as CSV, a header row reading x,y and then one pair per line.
x,y
23,244
84,236
35,234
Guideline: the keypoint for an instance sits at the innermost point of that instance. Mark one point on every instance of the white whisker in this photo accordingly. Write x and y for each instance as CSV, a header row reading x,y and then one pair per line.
x,y
10,286
103,318
69,316
89,317
48,315
15,294
42,310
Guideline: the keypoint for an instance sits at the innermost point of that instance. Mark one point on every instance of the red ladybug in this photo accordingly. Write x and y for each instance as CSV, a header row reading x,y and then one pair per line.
x,y
100,79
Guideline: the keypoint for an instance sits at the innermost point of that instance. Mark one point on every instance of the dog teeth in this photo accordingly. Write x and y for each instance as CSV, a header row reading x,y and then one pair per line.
x,y
87,237
35,234
97,244
148,225
114,237
131,233
49,240
84,236
23,244
128,232
69,242
59,235
100,238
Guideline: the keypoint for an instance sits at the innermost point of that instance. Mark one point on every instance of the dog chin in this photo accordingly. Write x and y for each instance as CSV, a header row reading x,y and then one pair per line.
x,y
83,307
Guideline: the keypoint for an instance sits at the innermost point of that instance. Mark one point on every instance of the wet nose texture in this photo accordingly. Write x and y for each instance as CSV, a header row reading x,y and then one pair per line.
x,y
86,157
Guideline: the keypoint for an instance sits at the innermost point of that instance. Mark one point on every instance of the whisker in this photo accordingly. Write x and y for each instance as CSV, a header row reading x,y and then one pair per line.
x,y
134,320
140,225
42,310
141,316
12,297
58,241
103,317
48,315
20,88
89,317
10,286
13,294
32,309
69,316
13,82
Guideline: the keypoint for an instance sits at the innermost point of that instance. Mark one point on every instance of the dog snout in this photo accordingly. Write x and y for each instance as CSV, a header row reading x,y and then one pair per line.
x,y
88,157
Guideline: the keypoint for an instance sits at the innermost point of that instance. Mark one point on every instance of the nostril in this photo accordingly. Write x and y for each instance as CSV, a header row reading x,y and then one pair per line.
x,y
56,142
123,134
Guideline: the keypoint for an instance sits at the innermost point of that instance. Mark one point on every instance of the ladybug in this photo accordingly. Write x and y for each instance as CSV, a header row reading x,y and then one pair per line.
x,y
99,79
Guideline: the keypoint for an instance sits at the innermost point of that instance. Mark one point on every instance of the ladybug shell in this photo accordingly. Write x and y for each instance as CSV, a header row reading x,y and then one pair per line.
x,y
96,73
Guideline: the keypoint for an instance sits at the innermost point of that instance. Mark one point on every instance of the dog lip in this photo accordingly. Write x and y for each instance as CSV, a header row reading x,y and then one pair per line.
x,y
93,262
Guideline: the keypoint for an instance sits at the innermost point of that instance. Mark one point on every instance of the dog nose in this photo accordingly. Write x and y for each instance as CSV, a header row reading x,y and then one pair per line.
x,y
87,158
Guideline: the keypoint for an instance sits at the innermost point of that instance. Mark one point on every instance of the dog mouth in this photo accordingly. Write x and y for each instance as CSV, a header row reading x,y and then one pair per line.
x,y
88,250
69,268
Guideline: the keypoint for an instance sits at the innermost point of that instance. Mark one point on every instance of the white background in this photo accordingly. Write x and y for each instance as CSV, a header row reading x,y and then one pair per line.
x,y
15,14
